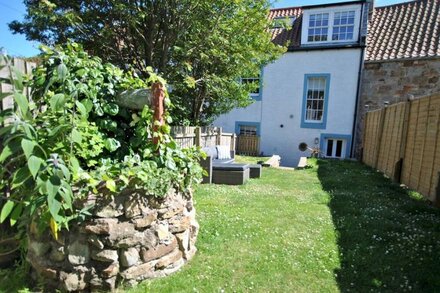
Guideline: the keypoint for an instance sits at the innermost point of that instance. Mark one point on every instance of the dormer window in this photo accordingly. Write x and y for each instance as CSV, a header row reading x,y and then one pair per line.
x,y
318,27
343,25
331,25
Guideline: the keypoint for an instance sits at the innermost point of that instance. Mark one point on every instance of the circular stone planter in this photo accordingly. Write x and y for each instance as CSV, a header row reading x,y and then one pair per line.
x,y
130,237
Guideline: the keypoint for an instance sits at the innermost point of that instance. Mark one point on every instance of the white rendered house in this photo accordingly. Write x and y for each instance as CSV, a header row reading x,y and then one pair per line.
x,y
310,93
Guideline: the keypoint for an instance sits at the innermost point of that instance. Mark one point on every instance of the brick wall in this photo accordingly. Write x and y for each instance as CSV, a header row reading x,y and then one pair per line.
x,y
394,81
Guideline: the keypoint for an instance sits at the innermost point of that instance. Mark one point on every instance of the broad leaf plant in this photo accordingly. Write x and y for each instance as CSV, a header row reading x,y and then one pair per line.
x,y
71,140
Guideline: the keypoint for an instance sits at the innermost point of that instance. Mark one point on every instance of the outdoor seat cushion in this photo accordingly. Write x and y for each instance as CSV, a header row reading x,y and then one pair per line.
x,y
230,167
211,152
223,152
225,161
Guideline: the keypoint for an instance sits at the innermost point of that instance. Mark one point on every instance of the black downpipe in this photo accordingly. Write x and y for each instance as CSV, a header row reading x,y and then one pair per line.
x,y
361,60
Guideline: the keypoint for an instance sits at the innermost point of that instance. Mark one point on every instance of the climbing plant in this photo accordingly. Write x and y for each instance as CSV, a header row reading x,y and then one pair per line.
x,y
74,139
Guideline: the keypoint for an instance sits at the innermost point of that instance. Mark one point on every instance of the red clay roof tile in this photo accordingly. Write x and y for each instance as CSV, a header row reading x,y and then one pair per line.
x,y
405,30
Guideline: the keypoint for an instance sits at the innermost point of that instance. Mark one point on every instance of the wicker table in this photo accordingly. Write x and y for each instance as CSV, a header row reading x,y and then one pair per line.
x,y
231,174
255,171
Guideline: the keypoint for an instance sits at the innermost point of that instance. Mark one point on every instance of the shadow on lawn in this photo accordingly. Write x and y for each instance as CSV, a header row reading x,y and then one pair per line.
x,y
388,240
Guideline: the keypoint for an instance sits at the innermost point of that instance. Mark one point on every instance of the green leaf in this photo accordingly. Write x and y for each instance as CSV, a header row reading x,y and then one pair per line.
x,y
22,103
111,144
74,165
6,129
6,210
111,109
20,176
65,171
52,186
5,153
57,129
54,208
81,109
76,136
99,110
62,72
28,147
170,164
124,179
88,104
111,185
45,49
66,194
18,78
34,164
16,213
80,72
57,102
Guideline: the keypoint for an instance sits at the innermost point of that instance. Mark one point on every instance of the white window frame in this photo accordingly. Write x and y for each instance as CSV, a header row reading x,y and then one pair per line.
x,y
331,10
333,154
323,100
346,25
321,27
249,130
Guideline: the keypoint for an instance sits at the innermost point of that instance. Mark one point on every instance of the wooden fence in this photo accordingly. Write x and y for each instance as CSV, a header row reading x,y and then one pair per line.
x,y
248,145
5,87
403,141
188,136
23,67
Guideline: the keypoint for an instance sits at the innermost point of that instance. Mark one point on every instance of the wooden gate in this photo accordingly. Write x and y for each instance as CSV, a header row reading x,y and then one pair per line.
x,y
248,145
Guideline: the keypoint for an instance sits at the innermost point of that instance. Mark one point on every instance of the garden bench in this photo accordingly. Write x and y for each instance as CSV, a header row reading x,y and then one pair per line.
x,y
211,158
223,170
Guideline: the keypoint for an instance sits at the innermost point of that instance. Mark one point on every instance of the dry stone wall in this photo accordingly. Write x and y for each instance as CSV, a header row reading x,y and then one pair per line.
x,y
394,82
130,237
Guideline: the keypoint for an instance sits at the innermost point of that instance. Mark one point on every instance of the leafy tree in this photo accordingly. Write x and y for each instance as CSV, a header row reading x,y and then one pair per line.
x,y
202,47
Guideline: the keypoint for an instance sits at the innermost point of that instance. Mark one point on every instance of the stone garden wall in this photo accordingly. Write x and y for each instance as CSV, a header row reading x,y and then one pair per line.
x,y
131,237
394,82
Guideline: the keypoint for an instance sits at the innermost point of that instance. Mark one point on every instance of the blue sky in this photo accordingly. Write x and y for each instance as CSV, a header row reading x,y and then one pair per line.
x,y
17,45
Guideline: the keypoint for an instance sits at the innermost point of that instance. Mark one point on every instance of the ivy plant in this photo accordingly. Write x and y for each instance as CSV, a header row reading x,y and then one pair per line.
x,y
73,139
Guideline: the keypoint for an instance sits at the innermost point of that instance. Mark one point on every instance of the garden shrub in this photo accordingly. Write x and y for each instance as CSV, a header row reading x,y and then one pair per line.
x,y
73,139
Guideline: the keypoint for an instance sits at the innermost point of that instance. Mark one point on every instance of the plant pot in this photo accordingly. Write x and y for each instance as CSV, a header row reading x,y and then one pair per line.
x,y
129,237
9,252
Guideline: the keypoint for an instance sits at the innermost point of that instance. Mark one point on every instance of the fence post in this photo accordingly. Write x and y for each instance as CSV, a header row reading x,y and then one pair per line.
x,y
437,197
218,140
158,92
233,138
364,135
379,139
404,135
198,138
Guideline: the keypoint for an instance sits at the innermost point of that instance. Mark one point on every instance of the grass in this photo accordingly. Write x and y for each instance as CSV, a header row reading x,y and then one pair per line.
x,y
337,226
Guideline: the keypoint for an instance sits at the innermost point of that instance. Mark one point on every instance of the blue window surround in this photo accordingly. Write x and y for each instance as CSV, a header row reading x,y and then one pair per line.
x,y
246,123
346,137
323,123
260,93
259,96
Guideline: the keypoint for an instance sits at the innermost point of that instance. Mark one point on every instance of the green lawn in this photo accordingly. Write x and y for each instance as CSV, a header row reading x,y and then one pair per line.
x,y
337,226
